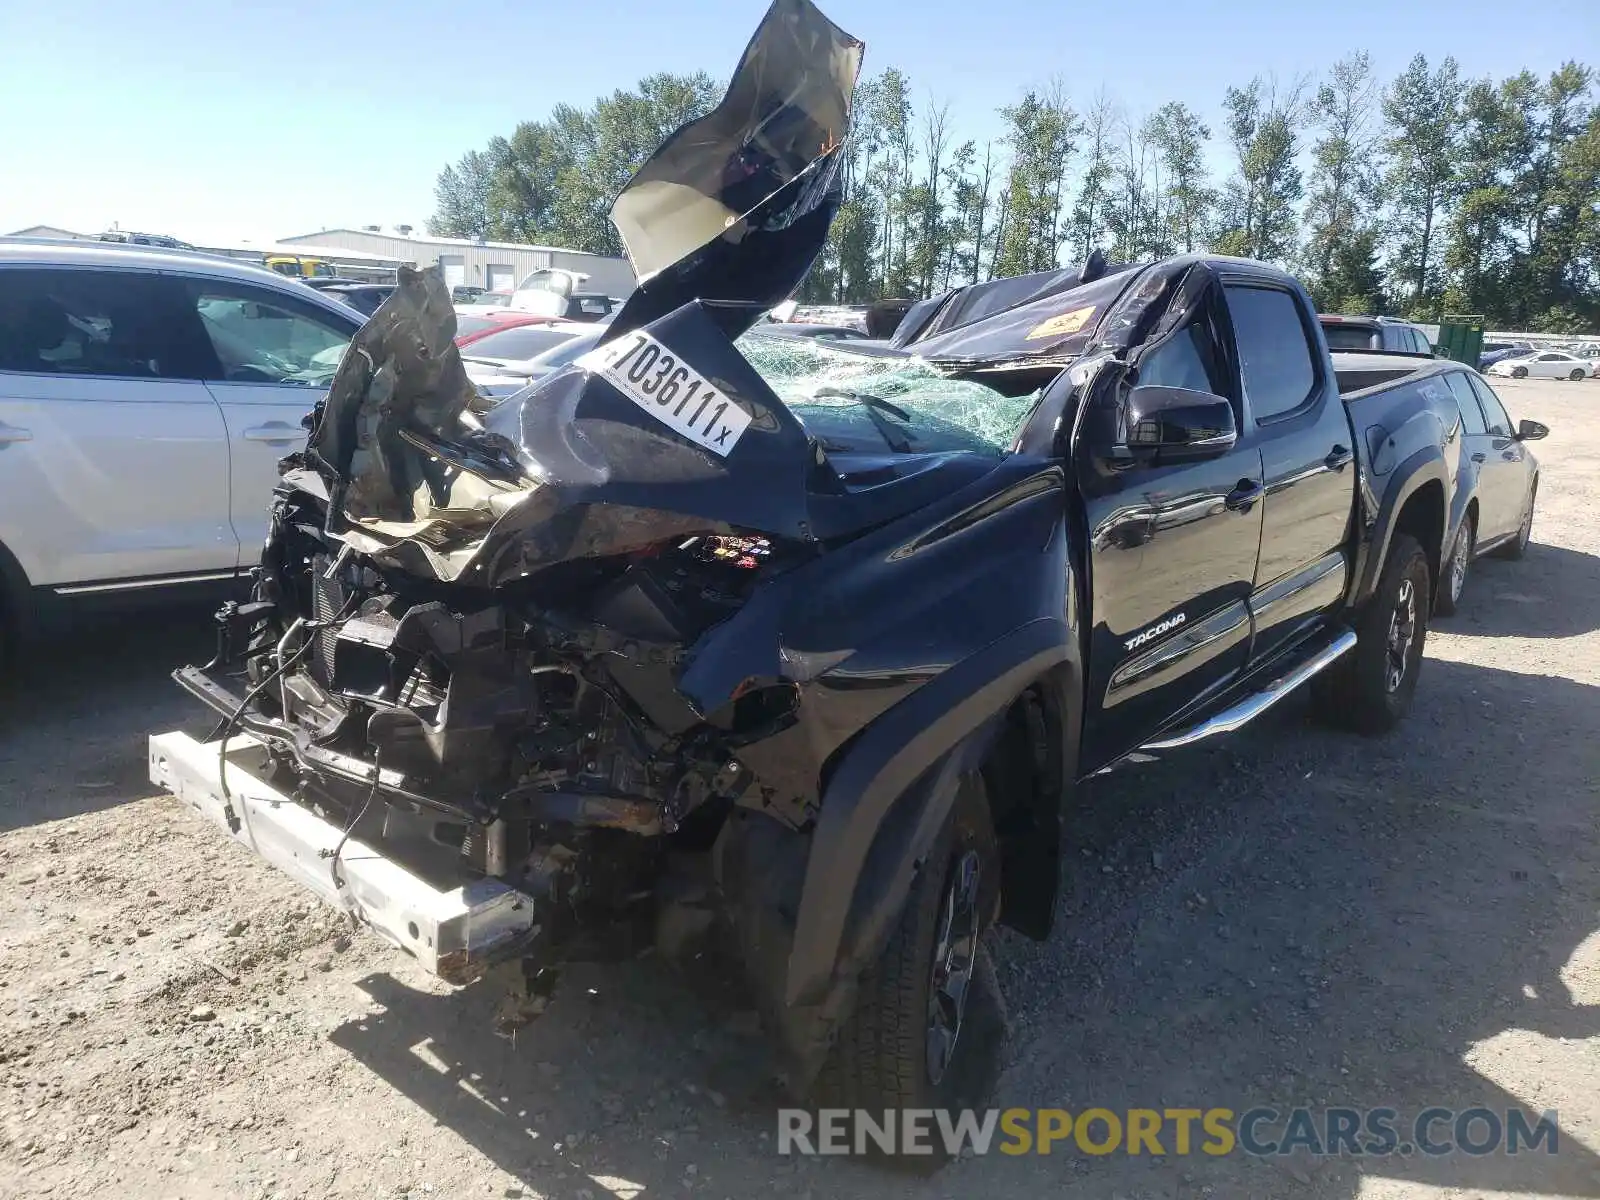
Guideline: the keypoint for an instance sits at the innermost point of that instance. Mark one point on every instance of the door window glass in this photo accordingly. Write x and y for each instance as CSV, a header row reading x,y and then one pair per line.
x,y
109,323
1493,411
1187,359
1274,355
1471,414
259,337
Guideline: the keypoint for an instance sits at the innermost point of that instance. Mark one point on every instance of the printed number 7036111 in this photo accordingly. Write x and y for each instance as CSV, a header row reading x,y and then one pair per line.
x,y
671,391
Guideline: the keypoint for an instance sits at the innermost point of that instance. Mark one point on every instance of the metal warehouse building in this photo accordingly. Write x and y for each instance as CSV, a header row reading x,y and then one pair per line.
x,y
495,266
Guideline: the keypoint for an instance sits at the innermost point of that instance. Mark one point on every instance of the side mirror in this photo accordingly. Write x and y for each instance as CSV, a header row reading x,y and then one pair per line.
x,y
1531,431
1175,425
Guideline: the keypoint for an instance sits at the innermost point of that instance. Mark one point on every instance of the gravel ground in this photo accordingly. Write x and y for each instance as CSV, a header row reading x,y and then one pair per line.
x,y
1289,917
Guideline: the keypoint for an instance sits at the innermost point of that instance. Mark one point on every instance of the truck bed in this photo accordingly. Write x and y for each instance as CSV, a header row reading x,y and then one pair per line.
x,y
1361,371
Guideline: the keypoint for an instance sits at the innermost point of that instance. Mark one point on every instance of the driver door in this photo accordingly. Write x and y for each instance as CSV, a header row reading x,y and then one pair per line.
x,y
1172,560
274,359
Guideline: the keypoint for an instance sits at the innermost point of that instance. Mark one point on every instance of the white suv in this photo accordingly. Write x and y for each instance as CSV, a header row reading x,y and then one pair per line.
x,y
146,397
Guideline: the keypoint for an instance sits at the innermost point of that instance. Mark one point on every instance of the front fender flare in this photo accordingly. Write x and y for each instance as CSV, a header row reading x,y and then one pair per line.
x,y
917,750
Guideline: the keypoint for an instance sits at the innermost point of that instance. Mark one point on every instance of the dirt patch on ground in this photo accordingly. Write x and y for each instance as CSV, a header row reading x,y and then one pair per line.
x,y
1289,917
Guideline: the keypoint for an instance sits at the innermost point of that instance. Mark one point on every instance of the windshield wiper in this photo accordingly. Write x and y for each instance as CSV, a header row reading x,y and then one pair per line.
x,y
867,399
876,406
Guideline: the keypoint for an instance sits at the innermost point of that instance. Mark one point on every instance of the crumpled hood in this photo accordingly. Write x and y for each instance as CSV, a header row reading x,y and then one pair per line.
x,y
721,223
733,209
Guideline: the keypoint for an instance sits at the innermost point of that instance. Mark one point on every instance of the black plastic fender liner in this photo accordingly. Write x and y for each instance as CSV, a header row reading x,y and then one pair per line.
x,y
911,742
1422,467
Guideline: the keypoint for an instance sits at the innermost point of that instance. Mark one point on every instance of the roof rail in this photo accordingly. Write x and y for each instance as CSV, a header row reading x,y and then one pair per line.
x,y
95,243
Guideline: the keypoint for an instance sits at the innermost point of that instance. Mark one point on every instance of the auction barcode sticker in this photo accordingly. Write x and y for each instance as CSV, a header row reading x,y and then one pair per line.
x,y
670,390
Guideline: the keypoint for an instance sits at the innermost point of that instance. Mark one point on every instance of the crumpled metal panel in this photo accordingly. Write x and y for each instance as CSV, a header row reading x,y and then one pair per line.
x,y
722,222
1055,326
1050,319
976,302
400,391
733,209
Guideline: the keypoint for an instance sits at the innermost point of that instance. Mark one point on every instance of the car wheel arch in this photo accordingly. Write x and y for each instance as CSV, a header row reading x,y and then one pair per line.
x,y
1422,516
844,884
1030,770
888,795
1414,503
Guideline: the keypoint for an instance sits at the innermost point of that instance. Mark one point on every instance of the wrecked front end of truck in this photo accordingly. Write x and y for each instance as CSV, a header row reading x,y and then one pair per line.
x,y
705,632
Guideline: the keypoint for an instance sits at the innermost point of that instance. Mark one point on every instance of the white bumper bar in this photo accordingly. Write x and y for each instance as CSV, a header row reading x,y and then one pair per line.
x,y
456,934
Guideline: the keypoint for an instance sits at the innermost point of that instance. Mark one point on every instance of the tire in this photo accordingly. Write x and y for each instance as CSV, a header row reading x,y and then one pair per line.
x,y
1517,547
1370,689
889,1054
1576,375
1519,372
1453,573
10,640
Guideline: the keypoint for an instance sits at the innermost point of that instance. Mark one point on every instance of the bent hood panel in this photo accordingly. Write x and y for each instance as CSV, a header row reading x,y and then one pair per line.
x,y
734,208
588,462
722,222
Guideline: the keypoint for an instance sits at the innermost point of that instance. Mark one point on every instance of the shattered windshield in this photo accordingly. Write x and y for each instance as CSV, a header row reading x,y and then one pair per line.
x,y
859,402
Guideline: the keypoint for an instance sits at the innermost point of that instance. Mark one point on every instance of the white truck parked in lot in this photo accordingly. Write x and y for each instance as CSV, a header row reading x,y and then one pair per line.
x,y
146,396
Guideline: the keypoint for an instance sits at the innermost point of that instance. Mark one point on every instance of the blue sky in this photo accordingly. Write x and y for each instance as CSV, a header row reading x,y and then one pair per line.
x,y
215,122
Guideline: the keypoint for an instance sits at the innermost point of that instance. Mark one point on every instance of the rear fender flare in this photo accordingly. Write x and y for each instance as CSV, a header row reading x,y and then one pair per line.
x,y
1425,466
888,797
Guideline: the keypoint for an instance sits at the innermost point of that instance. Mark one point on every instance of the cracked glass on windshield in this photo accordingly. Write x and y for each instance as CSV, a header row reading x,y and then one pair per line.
x,y
860,402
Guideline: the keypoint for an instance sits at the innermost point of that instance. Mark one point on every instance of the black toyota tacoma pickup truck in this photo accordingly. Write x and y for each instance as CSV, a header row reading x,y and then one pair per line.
x,y
788,648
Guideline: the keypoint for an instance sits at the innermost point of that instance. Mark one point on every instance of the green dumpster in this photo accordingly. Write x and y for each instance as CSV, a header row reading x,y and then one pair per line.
x,y
1460,338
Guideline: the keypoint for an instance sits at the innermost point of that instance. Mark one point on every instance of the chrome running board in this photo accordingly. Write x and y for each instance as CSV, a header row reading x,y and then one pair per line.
x,y
1238,715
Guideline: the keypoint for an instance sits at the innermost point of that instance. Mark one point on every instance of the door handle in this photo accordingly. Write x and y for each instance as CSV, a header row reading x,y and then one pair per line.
x,y
11,433
1244,496
1338,458
1479,457
274,432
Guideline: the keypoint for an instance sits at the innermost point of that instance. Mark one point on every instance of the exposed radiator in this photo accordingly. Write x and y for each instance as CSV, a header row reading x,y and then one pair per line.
x,y
328,597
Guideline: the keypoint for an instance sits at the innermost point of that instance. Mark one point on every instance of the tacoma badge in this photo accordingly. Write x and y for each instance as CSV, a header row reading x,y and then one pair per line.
x,y
1154,631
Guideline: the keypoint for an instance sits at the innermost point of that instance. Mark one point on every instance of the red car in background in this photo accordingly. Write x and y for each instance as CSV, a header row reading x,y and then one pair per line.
x,y
471,327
